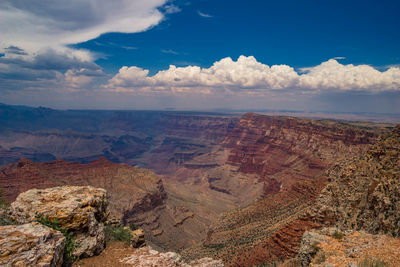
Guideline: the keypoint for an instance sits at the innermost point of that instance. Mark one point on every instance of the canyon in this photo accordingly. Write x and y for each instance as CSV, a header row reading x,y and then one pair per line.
x,y
226,186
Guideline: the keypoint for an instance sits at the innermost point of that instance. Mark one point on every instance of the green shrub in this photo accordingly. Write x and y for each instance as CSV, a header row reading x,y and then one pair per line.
x,y
70,246
5,219
133,226
118,233
3,203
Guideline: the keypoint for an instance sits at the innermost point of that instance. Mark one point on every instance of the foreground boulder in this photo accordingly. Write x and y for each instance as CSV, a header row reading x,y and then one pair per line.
x,y
81,210
31,244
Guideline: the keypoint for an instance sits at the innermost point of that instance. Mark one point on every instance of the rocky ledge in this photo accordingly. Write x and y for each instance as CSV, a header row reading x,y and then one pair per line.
x,y
81,210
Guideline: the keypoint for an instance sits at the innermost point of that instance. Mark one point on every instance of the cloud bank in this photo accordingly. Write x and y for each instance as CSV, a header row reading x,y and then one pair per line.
x,y
35,24
248,75
35,34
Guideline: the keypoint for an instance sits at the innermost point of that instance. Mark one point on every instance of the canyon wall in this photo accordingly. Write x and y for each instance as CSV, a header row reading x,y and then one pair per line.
x,y
290,157
229,188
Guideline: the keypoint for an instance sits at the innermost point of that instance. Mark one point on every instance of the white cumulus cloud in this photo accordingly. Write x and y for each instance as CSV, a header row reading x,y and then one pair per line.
x,y
247,74
333,75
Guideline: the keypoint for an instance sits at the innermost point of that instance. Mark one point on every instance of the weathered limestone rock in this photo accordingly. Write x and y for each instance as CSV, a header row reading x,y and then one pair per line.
x,y
80,209
309,247
31,244
137,240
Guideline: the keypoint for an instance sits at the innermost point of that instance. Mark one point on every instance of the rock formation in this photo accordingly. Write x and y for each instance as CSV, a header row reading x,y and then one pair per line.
x,y
364,193
80,210
290,157
334,247
283,150
31,244
138,240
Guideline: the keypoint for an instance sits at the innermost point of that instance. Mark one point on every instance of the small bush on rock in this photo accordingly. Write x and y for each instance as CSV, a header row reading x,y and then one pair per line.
x,y
118,233
69,249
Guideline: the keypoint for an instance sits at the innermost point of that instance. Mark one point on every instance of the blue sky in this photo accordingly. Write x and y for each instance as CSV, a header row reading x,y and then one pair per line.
x,y
296,33
304,55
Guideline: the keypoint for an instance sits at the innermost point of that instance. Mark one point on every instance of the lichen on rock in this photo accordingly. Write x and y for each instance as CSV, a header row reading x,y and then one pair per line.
x,y
31,244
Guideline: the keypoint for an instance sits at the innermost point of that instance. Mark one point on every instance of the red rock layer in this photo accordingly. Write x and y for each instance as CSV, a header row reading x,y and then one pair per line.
x,y
290,156
283,150
283,244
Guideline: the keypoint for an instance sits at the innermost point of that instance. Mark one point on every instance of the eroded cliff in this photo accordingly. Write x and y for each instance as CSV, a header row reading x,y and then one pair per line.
x,y
290,157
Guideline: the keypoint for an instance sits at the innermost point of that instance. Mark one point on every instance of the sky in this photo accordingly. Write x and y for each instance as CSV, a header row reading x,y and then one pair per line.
x,y
311,55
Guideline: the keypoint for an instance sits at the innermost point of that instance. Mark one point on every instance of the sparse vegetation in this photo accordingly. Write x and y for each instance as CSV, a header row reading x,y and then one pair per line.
x,y
338,235
269,264
117,233
70,246
5,219
133,226
3,203
371,262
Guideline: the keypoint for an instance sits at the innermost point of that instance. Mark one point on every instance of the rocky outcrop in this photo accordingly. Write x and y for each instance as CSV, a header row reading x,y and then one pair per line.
x,y
364,193
138,240
333,247
309,247
131,189
80,210
31,244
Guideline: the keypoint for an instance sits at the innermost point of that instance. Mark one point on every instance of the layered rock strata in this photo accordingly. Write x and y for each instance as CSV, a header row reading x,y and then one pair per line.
x,y
364,192
290,157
